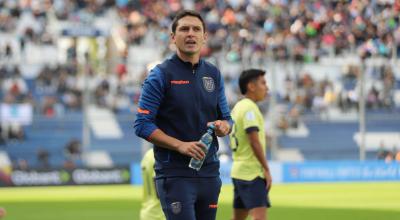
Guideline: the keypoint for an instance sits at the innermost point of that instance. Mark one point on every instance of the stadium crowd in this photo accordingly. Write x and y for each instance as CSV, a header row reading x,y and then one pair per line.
x,y
240,32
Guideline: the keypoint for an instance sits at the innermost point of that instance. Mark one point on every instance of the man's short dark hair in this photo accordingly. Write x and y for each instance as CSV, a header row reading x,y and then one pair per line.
x,y
248,76
185,13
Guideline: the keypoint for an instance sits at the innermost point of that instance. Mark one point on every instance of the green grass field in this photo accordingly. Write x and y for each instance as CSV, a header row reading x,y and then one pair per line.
x,y
344,201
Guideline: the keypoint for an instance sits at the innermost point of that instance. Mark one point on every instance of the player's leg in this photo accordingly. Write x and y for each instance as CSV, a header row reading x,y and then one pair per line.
x,y
259,213
239,210
252,196
260,204
207,200
240,214
177,197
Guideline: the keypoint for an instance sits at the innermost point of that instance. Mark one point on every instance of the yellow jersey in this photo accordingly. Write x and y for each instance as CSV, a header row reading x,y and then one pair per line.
x,y
247,116
151,207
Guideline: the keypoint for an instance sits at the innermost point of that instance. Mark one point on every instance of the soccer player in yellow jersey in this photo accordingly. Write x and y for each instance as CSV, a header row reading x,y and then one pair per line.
x,y
151,207
250,173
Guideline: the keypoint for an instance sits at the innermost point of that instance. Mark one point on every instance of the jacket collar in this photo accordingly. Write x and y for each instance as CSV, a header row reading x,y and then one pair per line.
x,y
177,59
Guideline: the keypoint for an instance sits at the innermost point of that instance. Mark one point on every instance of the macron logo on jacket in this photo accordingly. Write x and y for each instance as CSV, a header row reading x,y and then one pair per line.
x,y
180,82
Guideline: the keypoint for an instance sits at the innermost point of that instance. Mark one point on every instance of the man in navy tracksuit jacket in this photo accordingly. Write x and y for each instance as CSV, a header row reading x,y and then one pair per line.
x,y
180,97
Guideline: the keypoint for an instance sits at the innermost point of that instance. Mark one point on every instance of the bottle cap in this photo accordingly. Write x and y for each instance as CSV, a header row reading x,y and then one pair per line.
x,y
211,126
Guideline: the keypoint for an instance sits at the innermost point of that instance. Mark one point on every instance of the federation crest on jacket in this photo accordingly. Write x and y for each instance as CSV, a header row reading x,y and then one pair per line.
x,y
208,84
176,207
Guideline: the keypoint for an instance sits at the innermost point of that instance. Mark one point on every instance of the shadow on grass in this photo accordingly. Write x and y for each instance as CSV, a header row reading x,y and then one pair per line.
x,y
73,210
129,210
307,213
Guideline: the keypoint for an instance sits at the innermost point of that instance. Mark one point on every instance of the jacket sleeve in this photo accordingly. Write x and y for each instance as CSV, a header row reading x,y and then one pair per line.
x,y
149,102
223,108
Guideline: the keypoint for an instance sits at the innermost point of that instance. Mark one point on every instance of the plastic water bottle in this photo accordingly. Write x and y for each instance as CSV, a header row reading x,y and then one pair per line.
x,y
206,139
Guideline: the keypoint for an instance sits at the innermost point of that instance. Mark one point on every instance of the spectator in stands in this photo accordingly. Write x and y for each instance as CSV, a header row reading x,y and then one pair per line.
x,y
382,151
48,108
43,158
397,154
389,157
72,153
22,44
12,132
71,53
294,117
69,164
15,86
8,51
21,164
5,177
373,98
282,123
2,139
73,149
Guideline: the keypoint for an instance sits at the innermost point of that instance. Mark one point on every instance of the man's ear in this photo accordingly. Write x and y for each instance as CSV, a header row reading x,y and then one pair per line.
x,y
172,37
250,87
205,38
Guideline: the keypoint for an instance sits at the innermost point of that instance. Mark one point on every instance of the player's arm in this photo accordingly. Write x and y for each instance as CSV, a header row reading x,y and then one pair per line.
x,y
252,135
224,125
191,149
150,99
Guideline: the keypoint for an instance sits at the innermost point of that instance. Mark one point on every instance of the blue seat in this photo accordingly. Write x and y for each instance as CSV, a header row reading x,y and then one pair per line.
x,y
334,140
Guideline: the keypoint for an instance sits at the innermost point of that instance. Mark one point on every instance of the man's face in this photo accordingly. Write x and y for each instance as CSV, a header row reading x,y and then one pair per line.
x,y
261,88
189,36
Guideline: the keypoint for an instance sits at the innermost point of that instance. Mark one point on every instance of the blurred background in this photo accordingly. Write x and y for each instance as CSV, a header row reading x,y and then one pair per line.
x,y
71,74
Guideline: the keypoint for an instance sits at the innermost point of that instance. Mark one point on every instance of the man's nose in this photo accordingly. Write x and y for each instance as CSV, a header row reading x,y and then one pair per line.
x,y
191,31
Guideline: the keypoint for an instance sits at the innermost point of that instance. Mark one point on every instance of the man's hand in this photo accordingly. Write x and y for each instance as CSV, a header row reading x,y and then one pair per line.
x,y
222,128
192,149
2,212
268,179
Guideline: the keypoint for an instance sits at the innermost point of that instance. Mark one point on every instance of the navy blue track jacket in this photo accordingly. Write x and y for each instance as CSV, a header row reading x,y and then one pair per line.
x,y
180,99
